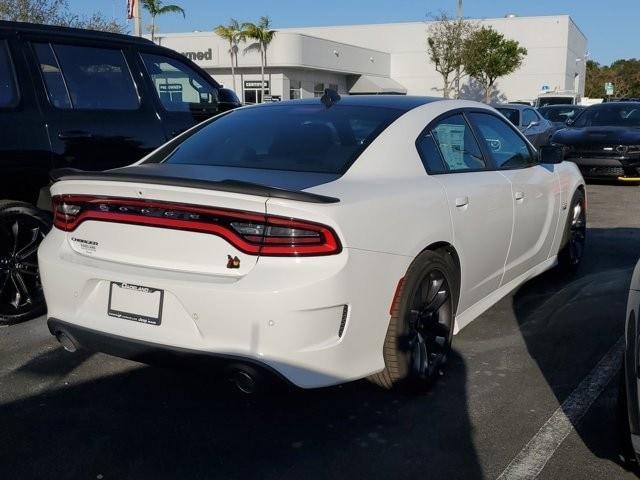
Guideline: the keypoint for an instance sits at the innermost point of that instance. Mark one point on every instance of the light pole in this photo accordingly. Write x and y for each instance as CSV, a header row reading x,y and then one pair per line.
x,y
459,13
134,12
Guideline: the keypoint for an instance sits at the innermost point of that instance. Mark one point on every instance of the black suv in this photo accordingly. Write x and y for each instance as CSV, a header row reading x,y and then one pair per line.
x,y
81,99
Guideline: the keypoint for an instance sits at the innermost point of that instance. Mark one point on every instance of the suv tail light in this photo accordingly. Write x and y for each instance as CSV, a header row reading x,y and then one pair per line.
x,y
251,233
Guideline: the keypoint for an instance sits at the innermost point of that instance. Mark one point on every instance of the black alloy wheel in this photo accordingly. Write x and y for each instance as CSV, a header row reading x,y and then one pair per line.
x,y
430,323
22,228
575,234
420,330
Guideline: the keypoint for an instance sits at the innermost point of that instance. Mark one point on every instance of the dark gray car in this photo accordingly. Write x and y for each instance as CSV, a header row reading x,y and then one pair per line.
x,y
537,129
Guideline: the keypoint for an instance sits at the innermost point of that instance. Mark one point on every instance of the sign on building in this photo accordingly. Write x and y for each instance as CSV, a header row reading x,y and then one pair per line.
x,y
255,84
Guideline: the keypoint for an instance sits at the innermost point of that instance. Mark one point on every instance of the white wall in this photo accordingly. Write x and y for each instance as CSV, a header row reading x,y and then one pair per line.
x,y
288,49
399,50
547,40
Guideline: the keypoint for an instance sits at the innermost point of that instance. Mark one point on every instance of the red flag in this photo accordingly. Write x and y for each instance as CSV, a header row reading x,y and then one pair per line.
x,y
130,8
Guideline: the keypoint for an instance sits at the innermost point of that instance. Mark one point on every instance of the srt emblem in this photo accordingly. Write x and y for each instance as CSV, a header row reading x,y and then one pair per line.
x,y
233,262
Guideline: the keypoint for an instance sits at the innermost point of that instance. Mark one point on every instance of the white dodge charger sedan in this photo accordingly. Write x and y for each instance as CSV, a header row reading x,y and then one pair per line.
x,y
323,240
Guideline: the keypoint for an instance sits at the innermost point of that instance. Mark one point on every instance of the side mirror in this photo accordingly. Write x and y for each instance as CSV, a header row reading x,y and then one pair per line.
x,y
551,154
531,125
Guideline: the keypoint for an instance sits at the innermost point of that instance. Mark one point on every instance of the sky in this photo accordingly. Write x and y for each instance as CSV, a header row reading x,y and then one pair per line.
x,y
611,26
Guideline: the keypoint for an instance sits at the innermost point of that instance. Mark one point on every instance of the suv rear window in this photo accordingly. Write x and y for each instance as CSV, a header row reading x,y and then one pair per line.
x,y
87,78
8,92
295,137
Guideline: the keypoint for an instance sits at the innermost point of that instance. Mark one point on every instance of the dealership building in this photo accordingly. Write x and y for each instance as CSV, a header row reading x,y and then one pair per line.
x,y
386,58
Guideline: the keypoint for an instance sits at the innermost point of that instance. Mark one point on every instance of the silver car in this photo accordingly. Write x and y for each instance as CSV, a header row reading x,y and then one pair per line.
x,y
536,128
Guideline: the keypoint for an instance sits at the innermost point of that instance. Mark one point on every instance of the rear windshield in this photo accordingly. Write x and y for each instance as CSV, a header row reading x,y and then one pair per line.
x,y
555,101
610,115
560,114
512,115
295,137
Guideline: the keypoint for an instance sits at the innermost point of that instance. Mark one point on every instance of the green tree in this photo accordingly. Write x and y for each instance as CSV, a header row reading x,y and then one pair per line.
x,y
157,7
55,12
263,36
445,39
488,55
623,73
234,34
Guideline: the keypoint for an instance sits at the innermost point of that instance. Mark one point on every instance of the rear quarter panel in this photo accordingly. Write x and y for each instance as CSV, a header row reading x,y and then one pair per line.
x,y
388,203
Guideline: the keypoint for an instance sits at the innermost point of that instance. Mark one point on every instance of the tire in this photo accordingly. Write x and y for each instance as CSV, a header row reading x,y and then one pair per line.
x,y
22,228
575,234
419,335
627,453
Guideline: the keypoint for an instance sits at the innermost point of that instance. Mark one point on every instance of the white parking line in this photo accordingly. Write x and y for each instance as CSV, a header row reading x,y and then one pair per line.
x,y
534,456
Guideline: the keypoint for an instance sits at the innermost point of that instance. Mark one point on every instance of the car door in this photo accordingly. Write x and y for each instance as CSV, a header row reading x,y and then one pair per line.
x,y
184,95
25,157
97,112
535,195
479,203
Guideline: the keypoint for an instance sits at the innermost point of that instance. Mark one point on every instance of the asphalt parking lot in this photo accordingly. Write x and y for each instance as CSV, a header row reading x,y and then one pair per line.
x,y
92,416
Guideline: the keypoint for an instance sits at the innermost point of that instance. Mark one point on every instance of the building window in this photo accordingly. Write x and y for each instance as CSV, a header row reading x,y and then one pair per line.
x,y
334,87
295,89
318,90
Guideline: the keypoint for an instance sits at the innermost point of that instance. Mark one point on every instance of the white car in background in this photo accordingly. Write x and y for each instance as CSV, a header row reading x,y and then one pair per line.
x,y
326,239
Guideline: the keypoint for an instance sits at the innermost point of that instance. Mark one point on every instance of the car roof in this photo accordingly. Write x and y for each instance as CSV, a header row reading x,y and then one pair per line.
x,y
551,107
24,27
399,102
513,106
608,104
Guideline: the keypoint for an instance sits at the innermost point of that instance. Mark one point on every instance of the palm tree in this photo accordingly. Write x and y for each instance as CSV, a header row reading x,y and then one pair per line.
x,y
234,35
263,35
157,7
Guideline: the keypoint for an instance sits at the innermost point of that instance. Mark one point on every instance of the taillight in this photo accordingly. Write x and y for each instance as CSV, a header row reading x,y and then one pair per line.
x,y
251,233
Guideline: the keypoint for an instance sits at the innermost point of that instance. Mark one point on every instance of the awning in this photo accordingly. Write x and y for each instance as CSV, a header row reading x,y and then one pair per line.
x,y
372,85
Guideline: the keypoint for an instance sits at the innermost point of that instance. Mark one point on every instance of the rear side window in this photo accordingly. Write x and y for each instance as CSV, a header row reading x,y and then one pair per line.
x,y
8,91
293,137
506,147
456,144
528,117
512,115
179,87
87,78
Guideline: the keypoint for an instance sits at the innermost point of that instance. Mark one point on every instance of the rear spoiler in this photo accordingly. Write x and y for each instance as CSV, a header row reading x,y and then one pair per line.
x,y
235,186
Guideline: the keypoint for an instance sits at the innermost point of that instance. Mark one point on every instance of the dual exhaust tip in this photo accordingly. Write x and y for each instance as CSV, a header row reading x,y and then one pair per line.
x,y
245,378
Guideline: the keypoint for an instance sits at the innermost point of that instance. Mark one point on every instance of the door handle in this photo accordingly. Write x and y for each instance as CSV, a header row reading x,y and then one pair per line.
x,y
519,196
74,134
462,202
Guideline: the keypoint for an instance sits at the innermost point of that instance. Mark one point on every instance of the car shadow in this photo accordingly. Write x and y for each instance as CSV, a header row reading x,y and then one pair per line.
x,y
156,423
569,322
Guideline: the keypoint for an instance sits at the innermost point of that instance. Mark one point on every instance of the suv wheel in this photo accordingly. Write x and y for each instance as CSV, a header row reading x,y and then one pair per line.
x,y
22,228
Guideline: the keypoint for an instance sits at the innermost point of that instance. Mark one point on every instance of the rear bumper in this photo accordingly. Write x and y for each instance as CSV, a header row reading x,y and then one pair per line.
x,y
150,353
286,313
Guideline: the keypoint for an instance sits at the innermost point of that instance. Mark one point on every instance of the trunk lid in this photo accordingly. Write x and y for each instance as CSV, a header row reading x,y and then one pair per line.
x,y
185,218
162,247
